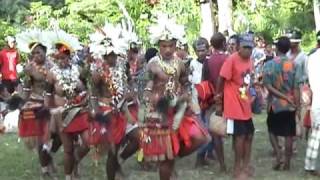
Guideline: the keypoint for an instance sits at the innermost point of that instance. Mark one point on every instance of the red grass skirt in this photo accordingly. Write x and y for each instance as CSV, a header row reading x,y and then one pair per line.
x,y
160,142
98,131
29,126
114,131
118,125
78,124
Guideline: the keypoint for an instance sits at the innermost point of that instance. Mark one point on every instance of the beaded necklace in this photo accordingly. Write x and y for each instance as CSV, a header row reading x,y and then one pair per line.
x,y
169,68
116,79
67,78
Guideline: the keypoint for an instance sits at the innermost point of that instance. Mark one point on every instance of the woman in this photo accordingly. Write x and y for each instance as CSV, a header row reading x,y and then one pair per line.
x,y
67,96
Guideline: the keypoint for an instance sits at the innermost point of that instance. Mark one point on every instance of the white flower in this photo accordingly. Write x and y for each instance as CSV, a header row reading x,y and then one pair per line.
x,y
67,78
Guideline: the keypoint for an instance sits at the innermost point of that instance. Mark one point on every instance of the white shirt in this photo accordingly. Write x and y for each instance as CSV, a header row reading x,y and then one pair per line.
x,y
195,76
301,61
314,75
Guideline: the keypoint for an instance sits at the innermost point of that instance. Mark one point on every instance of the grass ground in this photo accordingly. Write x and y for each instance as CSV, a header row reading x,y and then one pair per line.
x,y
17,163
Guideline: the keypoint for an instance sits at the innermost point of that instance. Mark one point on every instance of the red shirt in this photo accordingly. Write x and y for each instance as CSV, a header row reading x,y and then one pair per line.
x,y
9,58
237,74
212,67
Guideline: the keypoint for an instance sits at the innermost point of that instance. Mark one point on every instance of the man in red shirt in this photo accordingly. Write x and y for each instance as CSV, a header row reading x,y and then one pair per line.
x,y
9,58
234,80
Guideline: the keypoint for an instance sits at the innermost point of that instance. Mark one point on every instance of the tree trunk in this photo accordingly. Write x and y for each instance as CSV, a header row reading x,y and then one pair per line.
x,y
316,9
225,15
207,21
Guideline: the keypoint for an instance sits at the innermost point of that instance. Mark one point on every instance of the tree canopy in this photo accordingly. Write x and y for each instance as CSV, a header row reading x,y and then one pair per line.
x,y
80,17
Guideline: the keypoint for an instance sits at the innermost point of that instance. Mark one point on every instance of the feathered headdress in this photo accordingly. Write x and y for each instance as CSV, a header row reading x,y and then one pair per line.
x,y
107,40
29,39
127,25
63,41
166,29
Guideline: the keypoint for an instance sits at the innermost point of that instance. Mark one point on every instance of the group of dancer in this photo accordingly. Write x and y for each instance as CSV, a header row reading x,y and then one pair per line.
x,y
96,102
107,95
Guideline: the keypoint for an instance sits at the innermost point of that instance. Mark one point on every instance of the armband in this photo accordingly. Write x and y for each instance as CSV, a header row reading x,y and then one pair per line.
x,y
26,89
147,89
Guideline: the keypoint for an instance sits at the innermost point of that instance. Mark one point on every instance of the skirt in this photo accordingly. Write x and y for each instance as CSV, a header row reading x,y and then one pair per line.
x,y
79,124
30,126
282,123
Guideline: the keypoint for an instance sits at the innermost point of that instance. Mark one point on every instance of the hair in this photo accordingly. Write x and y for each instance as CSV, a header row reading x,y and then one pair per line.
x,y
218,40
184,47
236,37
200,41
134,47
63,50
44,48
150,53
283,44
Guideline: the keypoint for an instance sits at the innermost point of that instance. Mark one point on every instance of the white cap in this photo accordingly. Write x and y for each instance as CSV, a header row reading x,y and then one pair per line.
x,y
10,39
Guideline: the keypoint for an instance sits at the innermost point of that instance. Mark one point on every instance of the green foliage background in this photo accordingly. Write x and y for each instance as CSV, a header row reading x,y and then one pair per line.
x,y
272,17
267,17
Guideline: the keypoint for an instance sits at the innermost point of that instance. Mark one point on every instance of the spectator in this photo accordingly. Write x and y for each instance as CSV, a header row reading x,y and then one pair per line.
x,y
9,58
233,44
281,80
234,82
314,139
211,73
201,47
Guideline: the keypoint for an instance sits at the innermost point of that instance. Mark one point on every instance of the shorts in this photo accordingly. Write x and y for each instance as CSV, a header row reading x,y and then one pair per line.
x,y
240,127
10,85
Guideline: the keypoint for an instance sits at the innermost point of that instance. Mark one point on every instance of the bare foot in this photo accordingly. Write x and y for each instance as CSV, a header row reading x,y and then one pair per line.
x,y
2,129
76,171
286,167
120,175
249,171
45,176
201,161
223,169
277,166
241,176
174,175
236,173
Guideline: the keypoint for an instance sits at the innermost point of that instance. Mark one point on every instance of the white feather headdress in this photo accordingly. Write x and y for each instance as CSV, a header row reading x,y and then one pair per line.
x,y
68,41
166,29
127,25
107,40
29,39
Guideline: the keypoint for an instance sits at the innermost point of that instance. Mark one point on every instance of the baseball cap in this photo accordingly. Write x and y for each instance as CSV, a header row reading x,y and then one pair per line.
x,y
246,40
295,36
